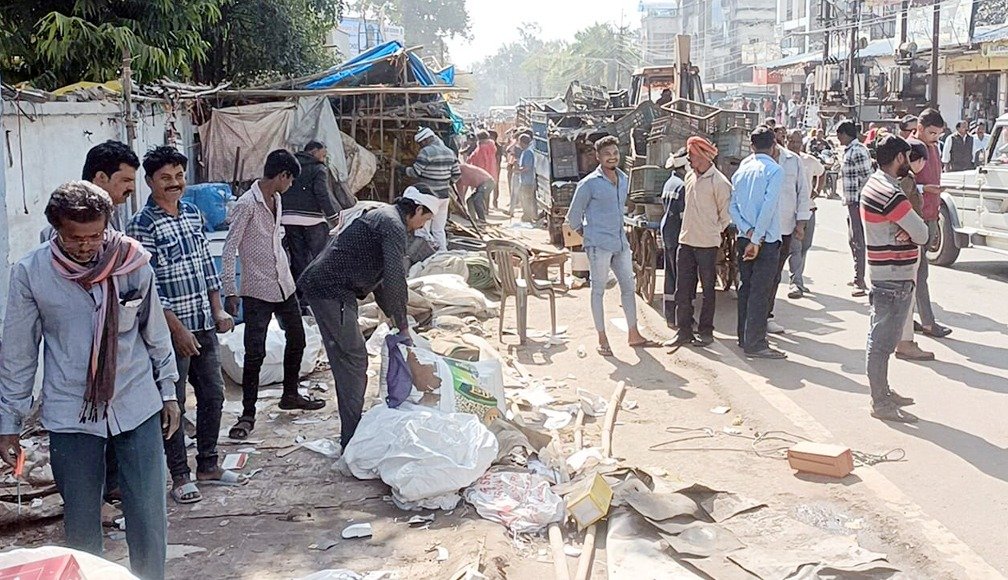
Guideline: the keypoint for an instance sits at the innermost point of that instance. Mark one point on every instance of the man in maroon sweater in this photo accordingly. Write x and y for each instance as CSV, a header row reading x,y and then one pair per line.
x,y
930,126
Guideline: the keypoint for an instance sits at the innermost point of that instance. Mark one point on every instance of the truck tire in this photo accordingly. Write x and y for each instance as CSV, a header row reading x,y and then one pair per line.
x,y
948,250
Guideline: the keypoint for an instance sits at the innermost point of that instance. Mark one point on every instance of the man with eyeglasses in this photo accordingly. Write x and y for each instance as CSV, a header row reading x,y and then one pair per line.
x,y
109,374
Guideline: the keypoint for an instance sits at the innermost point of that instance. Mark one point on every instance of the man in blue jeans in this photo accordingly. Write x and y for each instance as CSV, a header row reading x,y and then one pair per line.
x,y
596,212
113,389
756,188
189,289
893,236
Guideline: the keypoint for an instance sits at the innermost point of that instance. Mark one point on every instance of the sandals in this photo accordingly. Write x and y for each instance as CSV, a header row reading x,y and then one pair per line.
x,y
187,493
227,478
646,344
604,350
242,428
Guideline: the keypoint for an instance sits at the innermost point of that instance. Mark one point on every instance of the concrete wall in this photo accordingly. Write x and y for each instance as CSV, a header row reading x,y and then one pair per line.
x,y
48,148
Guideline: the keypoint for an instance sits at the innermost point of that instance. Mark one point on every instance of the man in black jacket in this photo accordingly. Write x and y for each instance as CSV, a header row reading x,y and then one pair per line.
x,y
307,209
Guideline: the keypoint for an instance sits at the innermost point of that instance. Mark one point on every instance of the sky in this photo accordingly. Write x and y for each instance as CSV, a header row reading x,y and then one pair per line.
x,y
495,23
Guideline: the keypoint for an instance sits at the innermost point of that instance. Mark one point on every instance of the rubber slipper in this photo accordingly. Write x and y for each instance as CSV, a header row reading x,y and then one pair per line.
x,y
228,478
242,428
186,489
604,351
646,344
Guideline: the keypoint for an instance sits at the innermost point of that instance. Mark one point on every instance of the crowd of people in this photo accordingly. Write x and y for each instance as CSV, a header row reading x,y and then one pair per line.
x,y
127,314
768,211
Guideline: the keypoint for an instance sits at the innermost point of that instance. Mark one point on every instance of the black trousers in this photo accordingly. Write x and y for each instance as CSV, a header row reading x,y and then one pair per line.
x,y
785,252
348,359
304,243
754,293
693,263
258,314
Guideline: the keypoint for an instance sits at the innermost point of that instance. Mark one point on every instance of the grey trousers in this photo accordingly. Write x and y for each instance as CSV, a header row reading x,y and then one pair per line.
x,y
348,359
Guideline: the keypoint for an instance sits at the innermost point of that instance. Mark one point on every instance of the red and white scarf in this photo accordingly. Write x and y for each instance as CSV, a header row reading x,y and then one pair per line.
x,y
119,256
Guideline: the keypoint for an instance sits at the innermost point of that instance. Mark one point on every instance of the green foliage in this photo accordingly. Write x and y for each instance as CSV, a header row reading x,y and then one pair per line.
x,y
57,42
264,40
52,43
426,22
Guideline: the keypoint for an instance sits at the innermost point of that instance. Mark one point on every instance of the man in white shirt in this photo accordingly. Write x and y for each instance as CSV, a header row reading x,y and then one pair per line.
x,y
795,204
674,201
800,247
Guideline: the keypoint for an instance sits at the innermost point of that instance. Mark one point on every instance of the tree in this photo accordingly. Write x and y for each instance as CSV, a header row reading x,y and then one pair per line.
x,y
426,22
56,42
52,43
264,40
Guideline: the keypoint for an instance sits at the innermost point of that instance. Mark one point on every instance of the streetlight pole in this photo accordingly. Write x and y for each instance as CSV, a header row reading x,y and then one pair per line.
x,y
935,24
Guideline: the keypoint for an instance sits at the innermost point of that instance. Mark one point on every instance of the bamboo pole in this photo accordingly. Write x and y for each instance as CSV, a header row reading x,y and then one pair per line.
x,y
587,554
610,418
560,571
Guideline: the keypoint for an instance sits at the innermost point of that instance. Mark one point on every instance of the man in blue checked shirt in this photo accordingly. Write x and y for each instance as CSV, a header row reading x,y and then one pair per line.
x,y
596,212
189,289
756,188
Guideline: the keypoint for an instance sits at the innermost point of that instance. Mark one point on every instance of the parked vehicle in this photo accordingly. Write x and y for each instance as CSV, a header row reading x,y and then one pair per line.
x,y
974,209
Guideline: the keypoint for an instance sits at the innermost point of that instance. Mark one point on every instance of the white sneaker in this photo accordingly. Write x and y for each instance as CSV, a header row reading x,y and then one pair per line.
x,y
774,328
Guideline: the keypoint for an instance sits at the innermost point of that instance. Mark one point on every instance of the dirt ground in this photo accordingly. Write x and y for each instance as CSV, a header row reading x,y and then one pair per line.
x,y
286,523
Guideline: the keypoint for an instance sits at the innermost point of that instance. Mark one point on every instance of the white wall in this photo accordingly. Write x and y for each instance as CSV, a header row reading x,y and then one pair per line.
x,y
949,99
52,148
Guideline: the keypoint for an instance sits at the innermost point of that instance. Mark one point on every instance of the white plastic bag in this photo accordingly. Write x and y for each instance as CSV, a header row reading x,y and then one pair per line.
x,y
421,453
233,352
523,502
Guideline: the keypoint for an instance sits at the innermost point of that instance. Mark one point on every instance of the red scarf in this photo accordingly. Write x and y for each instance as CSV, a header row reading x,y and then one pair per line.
x,y
119,256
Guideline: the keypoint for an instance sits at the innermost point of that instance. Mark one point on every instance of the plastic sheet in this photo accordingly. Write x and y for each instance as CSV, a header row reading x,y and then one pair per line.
x,y
523,502
421,453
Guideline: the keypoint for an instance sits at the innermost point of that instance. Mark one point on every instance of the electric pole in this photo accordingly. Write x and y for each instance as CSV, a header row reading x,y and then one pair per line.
x,y
852,58
935,24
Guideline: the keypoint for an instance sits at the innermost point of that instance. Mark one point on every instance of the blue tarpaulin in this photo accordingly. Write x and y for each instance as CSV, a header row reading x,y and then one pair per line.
x,y
352,71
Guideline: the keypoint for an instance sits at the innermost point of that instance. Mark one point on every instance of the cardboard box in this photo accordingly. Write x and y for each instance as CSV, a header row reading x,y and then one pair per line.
x,y
590,503
822,459
56,568
570,237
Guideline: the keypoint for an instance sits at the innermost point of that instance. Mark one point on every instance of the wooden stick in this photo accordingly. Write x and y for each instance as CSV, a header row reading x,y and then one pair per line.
x,y
587,554
610,418
560,570
579,430
392,164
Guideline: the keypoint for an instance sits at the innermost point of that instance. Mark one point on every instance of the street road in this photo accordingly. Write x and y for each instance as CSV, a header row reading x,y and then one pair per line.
x,y
956,465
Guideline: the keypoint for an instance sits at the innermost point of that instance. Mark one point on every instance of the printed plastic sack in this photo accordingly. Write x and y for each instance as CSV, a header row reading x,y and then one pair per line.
x,y
454,386
523,502
421,453
233,352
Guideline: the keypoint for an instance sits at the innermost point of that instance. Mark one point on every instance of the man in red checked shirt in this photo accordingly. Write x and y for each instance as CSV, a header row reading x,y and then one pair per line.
x,y
930,126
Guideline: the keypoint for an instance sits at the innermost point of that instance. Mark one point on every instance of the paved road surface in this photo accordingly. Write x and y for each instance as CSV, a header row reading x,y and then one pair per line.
x,y
957,455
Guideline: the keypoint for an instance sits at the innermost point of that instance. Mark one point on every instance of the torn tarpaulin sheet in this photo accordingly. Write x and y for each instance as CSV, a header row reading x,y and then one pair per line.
x,y
837,553
635,550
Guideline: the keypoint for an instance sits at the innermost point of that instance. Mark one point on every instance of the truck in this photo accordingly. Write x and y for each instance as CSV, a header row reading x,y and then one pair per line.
x,y
974,204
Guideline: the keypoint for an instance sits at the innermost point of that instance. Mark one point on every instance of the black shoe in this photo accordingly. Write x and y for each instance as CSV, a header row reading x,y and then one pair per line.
x,y
300,402
888,411
918,327
767,353
703,339
682,339
900,400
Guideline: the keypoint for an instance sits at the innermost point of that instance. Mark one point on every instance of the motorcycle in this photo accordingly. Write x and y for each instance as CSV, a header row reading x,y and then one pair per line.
x,y
831,162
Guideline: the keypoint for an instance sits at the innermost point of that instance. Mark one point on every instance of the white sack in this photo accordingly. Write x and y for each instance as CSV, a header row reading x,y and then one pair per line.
x,y
233,352
450,294
420,452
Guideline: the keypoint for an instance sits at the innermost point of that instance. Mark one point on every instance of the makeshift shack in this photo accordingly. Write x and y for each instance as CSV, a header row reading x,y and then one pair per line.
x,y
378,99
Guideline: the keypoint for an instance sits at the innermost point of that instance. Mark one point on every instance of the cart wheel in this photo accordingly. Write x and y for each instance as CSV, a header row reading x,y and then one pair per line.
x,y
646,265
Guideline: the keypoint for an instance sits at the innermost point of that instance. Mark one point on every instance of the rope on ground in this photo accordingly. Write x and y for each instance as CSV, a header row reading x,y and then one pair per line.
x,y
759,447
